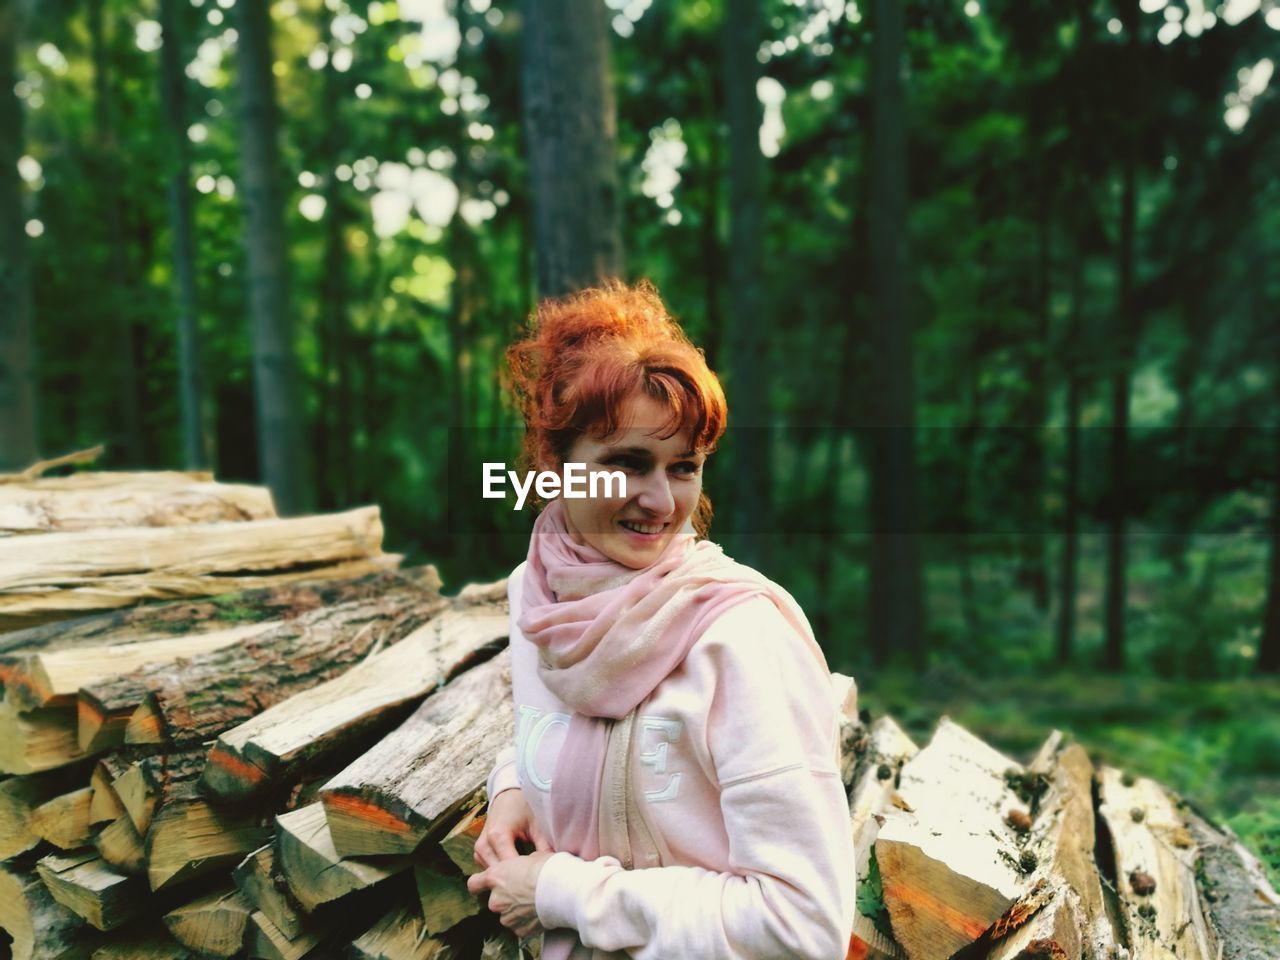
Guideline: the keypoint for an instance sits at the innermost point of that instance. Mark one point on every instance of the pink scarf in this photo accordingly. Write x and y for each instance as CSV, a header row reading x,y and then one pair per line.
x,y
608,635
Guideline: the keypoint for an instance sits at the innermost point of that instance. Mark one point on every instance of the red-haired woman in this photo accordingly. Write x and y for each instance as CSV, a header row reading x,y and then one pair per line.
x,y
675,757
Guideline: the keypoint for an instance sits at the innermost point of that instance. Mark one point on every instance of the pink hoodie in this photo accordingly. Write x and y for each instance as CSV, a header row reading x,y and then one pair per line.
x,y
736,755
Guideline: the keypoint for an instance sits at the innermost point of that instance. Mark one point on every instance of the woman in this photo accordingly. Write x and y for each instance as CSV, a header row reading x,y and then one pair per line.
x,y
675,757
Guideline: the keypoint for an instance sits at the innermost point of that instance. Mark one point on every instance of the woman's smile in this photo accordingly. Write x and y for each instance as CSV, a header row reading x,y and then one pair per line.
x,y
643,531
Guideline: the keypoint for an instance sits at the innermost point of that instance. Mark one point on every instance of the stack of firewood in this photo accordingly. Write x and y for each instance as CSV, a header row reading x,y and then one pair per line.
x,y
288,758
964,852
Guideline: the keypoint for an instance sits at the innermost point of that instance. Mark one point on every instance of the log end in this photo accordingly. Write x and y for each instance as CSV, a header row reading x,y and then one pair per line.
x,y
228,775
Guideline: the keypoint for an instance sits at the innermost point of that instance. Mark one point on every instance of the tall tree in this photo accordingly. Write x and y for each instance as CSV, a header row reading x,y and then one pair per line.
x,y
895,601
1124,354
118,301
570,126
17,365
747,372
195,447
1269,650
282,450
335,441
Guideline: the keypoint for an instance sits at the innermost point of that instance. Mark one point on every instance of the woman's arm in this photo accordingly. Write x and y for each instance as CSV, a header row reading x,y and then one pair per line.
x,y
789,892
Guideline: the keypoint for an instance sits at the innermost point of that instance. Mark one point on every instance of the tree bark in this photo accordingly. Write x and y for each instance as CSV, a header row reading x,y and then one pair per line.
x,y
197,699
118,300
1269,649
1066,625
336,455
895,600
571,132
392,797
1117,507
282,452
18,446
748,372
195,422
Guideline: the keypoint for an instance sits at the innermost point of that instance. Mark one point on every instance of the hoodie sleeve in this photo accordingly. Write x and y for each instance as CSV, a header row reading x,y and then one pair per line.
x,y
789,892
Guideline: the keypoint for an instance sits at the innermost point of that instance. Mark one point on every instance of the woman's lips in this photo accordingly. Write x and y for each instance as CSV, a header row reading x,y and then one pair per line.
x,y
643,537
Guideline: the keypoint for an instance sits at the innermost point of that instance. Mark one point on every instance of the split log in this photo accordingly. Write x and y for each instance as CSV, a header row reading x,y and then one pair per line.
x,y
272,746
64,590
414,781
399,935
144,784
459,844
444,899
228,609
267,942
149,941
502,947
189,837
1155,870
315,872
40,927
845,693
93,501
104,805
120,845
64,820
19,797
32,741
1242,905
266,889
105,708
1064,908
950,868
53,678
879,757
214,925
197,699
89,888
92,558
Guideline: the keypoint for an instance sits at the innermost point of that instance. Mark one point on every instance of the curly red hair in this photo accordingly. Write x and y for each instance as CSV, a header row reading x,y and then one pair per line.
x,y
587,353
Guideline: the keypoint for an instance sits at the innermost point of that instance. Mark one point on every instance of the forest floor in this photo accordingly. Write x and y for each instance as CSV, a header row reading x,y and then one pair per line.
x,y
1215,742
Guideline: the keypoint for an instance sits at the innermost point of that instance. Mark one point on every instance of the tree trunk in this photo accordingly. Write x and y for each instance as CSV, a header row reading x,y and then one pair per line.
x,y
336,454
748,382
118,300
1066,626
1034,572
895,600
1117,542
571,129
17,361
195,423
282,452
1269,650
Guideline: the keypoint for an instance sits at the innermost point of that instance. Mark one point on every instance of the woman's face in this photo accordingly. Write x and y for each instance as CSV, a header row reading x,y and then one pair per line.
x,y
663,481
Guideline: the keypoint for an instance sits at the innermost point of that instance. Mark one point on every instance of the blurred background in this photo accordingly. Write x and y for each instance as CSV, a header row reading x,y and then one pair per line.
x,y
993,285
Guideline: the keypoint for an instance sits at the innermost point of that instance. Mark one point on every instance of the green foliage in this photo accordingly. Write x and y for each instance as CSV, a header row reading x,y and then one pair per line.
x,y
871,897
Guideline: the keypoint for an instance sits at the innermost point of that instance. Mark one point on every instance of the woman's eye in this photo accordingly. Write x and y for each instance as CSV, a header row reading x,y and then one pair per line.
x,y
687,467
625,461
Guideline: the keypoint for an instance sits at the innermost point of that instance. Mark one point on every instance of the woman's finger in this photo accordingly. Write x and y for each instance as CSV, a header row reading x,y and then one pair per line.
x,y
479,882
503,845
540,842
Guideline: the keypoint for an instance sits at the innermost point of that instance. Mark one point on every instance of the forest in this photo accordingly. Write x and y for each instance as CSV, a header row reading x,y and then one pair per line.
x,y
993,287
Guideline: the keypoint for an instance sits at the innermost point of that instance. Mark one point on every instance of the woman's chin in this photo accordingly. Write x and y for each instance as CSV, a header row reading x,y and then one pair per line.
x,y
632,552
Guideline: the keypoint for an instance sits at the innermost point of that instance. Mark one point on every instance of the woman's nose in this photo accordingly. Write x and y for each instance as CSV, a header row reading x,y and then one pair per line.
x,y
655,494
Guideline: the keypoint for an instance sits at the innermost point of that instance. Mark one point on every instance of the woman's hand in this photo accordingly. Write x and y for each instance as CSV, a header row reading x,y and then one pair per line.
x,y
512,884
509,819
